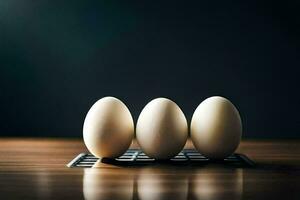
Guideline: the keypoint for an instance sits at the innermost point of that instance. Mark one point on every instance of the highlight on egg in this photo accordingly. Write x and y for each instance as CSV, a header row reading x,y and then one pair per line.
x,y
108,128
161,129
216,128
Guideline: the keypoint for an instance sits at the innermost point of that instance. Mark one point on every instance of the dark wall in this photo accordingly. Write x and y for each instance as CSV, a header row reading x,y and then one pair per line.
x,y
57,58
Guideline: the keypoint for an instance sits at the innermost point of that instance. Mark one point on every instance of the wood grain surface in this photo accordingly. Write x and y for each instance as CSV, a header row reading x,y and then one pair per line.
x,y
36,169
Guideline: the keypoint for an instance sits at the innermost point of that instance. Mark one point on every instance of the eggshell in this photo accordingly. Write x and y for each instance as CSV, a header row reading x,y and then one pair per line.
x,y
161,129
108,128
216,128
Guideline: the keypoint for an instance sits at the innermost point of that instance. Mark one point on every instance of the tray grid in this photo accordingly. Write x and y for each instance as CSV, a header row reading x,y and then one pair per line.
x,y
137,157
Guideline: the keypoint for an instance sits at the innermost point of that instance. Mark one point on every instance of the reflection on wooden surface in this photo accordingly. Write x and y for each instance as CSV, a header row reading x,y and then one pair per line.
x,y
163,183
155,184
36,169
216,183
102,185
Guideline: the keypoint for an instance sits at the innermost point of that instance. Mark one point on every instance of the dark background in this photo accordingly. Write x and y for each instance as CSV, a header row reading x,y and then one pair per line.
x,y
57,58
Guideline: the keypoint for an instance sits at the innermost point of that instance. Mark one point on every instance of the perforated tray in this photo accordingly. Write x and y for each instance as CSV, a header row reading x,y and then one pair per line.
x,y
135,157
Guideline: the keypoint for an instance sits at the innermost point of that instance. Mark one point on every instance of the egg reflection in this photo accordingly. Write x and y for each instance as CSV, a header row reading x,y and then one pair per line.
x,y
163,183
105,184
211,184
154,184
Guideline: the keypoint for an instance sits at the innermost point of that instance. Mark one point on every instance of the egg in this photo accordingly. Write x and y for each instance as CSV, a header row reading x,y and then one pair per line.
x,y
161,129
216,128
108,128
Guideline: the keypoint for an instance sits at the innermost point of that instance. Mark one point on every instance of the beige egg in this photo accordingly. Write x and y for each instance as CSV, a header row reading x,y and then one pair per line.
x,y
216,128
108,128
161,129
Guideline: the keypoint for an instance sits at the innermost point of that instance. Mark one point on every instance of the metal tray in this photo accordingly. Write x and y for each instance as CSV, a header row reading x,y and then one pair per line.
x,y
135,157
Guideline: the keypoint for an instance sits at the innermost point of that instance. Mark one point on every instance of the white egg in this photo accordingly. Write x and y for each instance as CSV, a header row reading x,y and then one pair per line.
x,y
216,128
161,129
108,128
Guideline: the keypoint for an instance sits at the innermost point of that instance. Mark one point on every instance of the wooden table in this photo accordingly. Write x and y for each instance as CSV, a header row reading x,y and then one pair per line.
x,y
36,169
